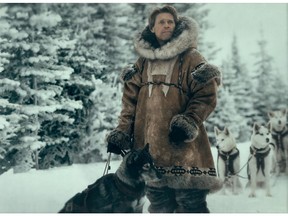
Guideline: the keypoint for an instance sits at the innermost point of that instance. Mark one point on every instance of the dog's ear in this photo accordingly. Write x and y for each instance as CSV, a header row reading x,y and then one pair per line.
x,y
256,126
139,155
146,147
284,112
226,131
271,114
145,155
269,126
216,130
145,151
132,158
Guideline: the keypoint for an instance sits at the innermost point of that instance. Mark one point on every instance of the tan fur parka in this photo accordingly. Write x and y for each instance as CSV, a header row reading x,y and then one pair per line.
x,y
171,85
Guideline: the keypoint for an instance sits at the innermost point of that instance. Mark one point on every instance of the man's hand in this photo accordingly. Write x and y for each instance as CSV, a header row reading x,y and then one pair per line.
x,y
177,135
113,148
182,129
118,142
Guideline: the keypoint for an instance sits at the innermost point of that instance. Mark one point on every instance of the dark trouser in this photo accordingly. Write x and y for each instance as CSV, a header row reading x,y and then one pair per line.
x,y
169,200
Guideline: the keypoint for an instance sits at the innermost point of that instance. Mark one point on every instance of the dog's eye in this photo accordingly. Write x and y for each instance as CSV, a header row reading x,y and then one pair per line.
x,y
146,166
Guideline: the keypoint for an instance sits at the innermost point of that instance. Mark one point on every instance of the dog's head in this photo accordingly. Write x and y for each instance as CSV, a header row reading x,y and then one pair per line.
x,y
225,140
261,136
278,119
140,165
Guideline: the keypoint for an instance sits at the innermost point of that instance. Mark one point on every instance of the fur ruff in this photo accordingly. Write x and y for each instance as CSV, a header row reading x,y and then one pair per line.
x,y
184,37
189,182
121,139
206,72
186,124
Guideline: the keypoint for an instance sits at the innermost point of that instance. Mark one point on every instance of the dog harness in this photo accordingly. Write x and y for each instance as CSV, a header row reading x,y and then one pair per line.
x,y
228,158
278,136
260,155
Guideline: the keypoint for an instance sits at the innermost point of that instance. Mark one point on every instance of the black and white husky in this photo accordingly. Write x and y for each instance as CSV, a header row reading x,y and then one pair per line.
x,y
279,130
260,159
120,192
228,160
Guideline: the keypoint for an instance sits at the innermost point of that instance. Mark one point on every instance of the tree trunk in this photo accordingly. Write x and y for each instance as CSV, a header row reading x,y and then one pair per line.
x,y
36,152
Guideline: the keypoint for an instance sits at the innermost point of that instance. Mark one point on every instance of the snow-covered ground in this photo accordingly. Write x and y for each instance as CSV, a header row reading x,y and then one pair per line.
x,y
46,191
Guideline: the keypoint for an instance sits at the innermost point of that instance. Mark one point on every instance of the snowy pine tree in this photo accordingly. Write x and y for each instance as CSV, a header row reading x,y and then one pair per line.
x,y
280,95
119,38
198,12
225,115
234,108
32,40
240,86
88,58
265,82
106,107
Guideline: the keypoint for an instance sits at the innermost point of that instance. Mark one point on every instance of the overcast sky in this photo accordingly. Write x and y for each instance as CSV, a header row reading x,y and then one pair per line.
x,y
245,21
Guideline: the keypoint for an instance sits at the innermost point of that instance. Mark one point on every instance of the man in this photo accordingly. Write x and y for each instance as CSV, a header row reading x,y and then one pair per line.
x,y
168,94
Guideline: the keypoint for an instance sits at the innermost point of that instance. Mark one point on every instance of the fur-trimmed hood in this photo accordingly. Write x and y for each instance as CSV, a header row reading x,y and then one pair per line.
x,y
184,37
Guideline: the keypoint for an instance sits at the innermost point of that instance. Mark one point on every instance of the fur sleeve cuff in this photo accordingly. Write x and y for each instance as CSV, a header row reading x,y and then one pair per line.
x,y
186,124
205,72
119,138
128,72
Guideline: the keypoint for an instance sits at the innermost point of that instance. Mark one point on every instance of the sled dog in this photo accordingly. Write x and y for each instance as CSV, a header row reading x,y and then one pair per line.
x,y
260,159
119,192
279,130
228,160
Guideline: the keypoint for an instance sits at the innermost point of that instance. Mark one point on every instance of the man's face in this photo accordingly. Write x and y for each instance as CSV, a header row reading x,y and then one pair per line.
x,y
164,27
